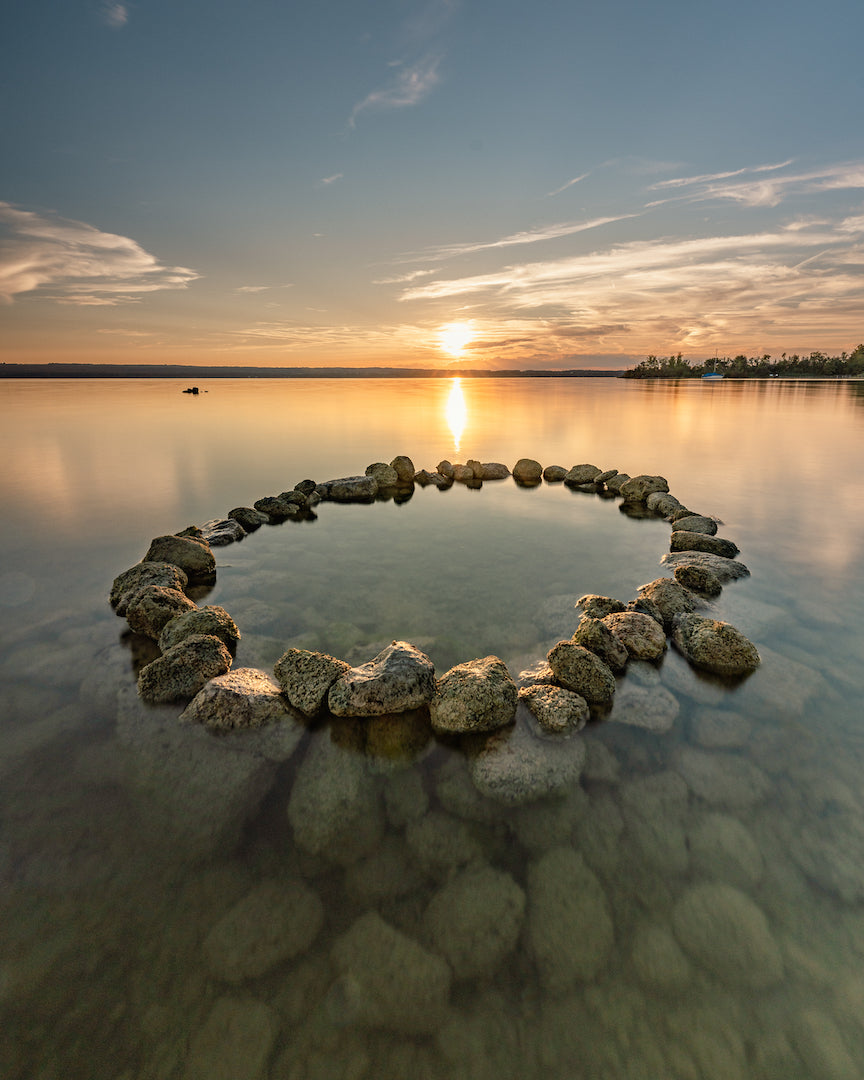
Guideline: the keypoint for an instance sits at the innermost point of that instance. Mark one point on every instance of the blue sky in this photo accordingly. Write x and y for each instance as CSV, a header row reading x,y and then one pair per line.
x,y
471,183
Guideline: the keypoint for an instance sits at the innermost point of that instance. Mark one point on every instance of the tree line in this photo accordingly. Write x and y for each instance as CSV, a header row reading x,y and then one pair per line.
x,y
816,364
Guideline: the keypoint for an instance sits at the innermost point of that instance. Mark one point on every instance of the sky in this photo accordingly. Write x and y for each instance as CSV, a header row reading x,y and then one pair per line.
x,y
459,183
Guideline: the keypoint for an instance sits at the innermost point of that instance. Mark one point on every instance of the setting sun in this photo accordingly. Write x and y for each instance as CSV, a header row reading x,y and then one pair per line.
x,y
455,336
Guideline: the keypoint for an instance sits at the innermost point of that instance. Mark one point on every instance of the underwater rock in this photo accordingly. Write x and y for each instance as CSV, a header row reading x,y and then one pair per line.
x,y
182,671
722,779
153,607
472,697
697,541
387,980
194,557
653,709
569,928
638,488
658,960
671,599
306,677
578,669
714,646
439,844
557,711
641,636
398,679
142,575
210,619
234,1042
722,847
597,636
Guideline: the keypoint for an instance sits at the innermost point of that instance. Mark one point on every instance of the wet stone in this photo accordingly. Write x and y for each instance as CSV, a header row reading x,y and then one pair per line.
x,y
153,606
671,599
527,471
695,541
306,677
131,581
596,635
698,578
476,696
399,678
180,672
193,557
222,531
714,646
598,607
641,636
557,711
696,523
249,519
210,619
724,569
578,669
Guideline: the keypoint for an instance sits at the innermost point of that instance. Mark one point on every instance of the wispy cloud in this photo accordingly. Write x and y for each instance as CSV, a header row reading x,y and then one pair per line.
x,y
327,180
401,279
115,14
409,87
262,288
570,183
683,181
765,191
74,263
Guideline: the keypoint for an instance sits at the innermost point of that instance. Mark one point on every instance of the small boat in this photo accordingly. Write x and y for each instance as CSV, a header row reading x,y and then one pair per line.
x,y
713,373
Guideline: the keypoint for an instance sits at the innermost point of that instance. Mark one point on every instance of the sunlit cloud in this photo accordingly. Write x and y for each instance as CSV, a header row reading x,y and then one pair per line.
x,y
401,279
767,191
115,14
70,262
327,180
569,184
262,288
683,181
410,86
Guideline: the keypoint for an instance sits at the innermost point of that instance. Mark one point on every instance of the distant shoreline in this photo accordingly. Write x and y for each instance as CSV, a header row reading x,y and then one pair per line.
x,y
185,371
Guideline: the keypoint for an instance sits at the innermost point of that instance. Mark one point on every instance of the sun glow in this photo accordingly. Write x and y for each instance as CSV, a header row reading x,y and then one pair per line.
x,y
455,336
457,414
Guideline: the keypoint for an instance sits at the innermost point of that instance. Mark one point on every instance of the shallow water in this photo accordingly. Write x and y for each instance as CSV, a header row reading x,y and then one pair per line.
x,y
692,907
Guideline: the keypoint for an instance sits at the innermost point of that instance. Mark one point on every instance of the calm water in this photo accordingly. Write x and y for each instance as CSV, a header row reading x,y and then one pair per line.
x,y
692,908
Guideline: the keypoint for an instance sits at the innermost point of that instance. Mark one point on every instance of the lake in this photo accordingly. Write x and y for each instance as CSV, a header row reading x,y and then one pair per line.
x,y
178,906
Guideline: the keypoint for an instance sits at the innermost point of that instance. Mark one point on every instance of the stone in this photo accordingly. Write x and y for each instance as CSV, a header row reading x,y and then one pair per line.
x,y
724,932
638,488
724,569
569,930
539,674
821,1046
671,599
582,474
395,741
384,874
182,671
384,475
493,470
399,678
275,922
475,920
722,847
440,844
463,474
476,696
597,636
144,574
515,767
557,711
722,779
222,531
616,482
695,523
527,471
658,960
153,607
209,619
246,699
830,852
698,579
276,509
476,468
351,489
653,709
193,557
387,980
578,669
249,518
714,646
234,1042
445,469
605,476
404,468
719,729
306,677
662,503
334,808
644,605
640,635
458,795
405,798
554,474
598,607
696,541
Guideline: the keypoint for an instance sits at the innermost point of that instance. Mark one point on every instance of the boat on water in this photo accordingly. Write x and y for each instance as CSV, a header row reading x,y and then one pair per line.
x,y
713,373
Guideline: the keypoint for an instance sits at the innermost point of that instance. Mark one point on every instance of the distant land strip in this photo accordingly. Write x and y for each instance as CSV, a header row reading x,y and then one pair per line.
x,y
185,371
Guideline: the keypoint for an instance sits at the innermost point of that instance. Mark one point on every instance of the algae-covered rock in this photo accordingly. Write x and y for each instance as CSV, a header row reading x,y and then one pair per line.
x,y
670,598
210,619
598,636
384,475
578,669
640,635
306,676
699,579
182,671
598,607
153,607
714,646
138,577
724,569
472,697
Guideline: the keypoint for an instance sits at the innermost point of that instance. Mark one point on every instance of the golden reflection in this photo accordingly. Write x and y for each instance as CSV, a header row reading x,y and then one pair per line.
x,y
457,414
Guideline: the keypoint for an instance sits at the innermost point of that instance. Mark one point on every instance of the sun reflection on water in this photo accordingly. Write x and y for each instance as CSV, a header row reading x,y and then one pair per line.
x,y
457,414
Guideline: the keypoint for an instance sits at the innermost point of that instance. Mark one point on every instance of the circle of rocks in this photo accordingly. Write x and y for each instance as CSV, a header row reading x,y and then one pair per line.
x,y
551,700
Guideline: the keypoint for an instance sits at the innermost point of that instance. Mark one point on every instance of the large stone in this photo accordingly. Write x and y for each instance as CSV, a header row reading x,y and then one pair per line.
x,y
440,844
724,569
722,779
651,708
234,1042
384,475
671,599
662,503
722,847
557,711
697,541
638,488
527,471
582,474
387,980
138,577
658,960
597,636
569,928
515,767
616,482
179,673
222,531
472,697
822,1048
641,635
249,518
306,677
274,922
210,619
714,646
830,851
474,920
276,508
404,469
153,607
334,807
494,470
350,489
399,678
246,699
728,936
598,607
719,729
554,474
194,557
578,669
696,523
698,579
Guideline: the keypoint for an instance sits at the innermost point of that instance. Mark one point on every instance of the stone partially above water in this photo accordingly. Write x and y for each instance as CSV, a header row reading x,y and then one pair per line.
x,y
143,574
557,711
697,541
306,677
222,531
638,488
582,474
696,523
578,669
642,636
182,671
249,518
671,599
153,607
385,475
243,698
714,646
698,579
724,569
599,637
194,557
527,471
209,619
349,489
399,678
473,697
